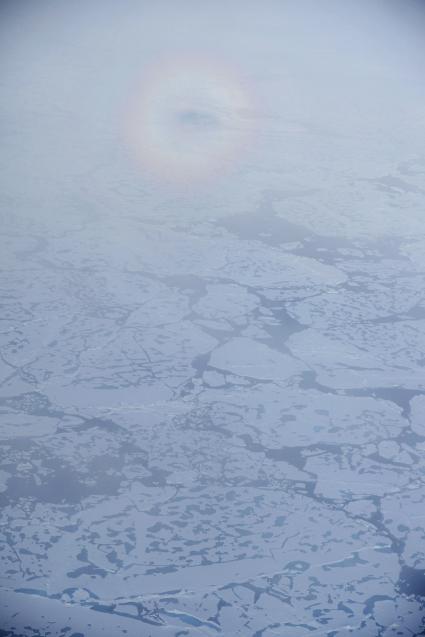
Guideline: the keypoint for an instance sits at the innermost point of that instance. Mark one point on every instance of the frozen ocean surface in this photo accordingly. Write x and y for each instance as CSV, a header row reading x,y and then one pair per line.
x,y
212,354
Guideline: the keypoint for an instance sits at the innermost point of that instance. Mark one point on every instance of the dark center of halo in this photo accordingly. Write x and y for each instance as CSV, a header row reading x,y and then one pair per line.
x,y
196,119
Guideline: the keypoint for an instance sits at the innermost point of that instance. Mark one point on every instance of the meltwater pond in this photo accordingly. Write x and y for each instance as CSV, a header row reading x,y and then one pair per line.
x,y
212,345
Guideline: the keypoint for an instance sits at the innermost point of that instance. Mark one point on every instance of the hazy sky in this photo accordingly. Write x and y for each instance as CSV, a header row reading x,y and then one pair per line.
x,y
304,94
